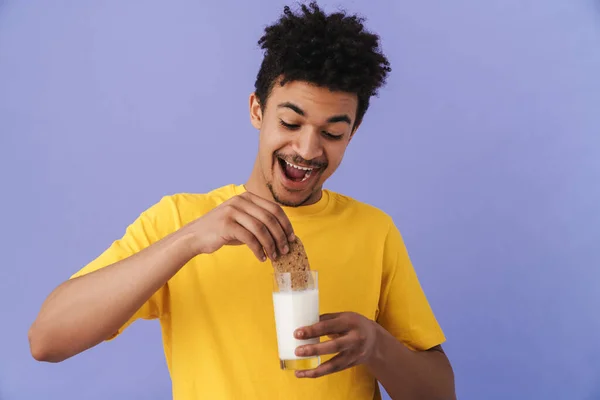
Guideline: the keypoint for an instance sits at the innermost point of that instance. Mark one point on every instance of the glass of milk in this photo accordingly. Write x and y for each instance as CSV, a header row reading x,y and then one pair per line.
x,y
295,305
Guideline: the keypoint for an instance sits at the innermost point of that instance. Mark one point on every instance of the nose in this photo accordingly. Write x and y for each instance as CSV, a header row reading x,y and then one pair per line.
x,y
307,145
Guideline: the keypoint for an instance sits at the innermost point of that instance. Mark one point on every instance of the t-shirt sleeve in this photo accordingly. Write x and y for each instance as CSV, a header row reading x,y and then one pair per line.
x,y
152,225
403,307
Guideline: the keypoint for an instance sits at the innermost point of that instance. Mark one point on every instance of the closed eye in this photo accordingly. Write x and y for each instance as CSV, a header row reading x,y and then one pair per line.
x,y
332,136
291,127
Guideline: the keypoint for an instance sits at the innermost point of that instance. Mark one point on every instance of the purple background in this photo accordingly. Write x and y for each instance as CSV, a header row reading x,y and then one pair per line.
x,y
485,148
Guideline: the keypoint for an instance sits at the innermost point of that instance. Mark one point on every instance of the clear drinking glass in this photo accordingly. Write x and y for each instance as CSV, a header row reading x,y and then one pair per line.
x,y
296,304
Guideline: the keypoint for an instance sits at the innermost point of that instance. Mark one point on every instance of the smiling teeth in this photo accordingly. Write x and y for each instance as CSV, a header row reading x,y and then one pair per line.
x,y
298,167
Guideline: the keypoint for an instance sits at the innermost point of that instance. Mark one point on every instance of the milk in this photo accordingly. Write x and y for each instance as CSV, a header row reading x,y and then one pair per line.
x,y
294,309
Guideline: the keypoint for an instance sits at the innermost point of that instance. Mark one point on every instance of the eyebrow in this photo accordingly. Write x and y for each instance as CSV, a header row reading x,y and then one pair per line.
x,y
337,118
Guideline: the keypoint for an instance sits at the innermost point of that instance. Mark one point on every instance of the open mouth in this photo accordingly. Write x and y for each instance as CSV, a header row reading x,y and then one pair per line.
x,y
296,173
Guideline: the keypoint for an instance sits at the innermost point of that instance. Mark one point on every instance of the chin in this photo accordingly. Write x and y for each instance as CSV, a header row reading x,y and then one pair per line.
x,y
287,198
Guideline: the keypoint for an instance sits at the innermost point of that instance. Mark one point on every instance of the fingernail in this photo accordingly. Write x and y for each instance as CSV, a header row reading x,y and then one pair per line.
x,y
292,237
300,352
286,249
274,256
299,334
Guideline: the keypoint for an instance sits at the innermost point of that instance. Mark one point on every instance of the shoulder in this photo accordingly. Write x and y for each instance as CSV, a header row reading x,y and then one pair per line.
x,y
184,207
361,210
209,199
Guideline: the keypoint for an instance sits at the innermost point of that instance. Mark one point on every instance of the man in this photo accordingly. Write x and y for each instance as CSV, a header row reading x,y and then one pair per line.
x,y
197,262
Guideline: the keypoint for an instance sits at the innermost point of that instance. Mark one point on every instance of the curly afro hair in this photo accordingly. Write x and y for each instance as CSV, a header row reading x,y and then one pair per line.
x,y
333,51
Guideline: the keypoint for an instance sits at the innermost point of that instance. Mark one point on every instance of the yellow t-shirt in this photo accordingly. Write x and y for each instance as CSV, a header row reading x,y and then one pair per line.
x,y
216,313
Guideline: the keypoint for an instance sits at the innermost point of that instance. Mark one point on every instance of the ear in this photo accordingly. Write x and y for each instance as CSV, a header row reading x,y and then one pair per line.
x,y
255,112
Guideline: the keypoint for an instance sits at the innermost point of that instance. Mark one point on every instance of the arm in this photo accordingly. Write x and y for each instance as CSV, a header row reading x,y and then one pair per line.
x,y
385,346
84,311
407,358
405,374
88,309
430,375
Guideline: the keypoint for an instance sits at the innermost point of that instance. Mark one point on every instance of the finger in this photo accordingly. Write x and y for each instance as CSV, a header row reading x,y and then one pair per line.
x,y
259,230
338,363
329,347
275,210
325,317
270,221
325,327
243,235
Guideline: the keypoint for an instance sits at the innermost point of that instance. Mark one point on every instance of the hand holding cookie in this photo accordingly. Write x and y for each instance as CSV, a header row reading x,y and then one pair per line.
x,y
245,219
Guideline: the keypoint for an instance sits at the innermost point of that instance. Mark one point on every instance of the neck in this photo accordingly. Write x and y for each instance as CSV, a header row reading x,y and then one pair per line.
x,y
256,184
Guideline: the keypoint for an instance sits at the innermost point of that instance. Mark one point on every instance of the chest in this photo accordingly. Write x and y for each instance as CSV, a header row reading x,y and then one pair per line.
x,y
232,283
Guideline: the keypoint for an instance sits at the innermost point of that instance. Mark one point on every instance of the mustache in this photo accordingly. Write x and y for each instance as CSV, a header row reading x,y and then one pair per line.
x,y
296,159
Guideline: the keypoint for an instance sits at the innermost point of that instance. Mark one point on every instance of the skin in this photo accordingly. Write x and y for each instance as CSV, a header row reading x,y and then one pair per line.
x,y
355,339
82,312
313,139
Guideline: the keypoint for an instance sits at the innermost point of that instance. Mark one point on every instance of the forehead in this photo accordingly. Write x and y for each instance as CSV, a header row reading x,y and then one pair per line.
x,y
315,101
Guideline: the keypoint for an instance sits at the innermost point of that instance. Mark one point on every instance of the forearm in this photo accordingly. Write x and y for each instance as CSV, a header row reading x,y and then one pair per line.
x,y
84,311
407,374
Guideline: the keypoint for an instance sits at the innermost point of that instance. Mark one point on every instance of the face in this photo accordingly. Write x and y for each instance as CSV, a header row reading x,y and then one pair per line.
x,y
304,133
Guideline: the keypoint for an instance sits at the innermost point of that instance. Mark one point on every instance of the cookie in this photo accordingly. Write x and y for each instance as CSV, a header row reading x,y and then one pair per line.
x,y
294,261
